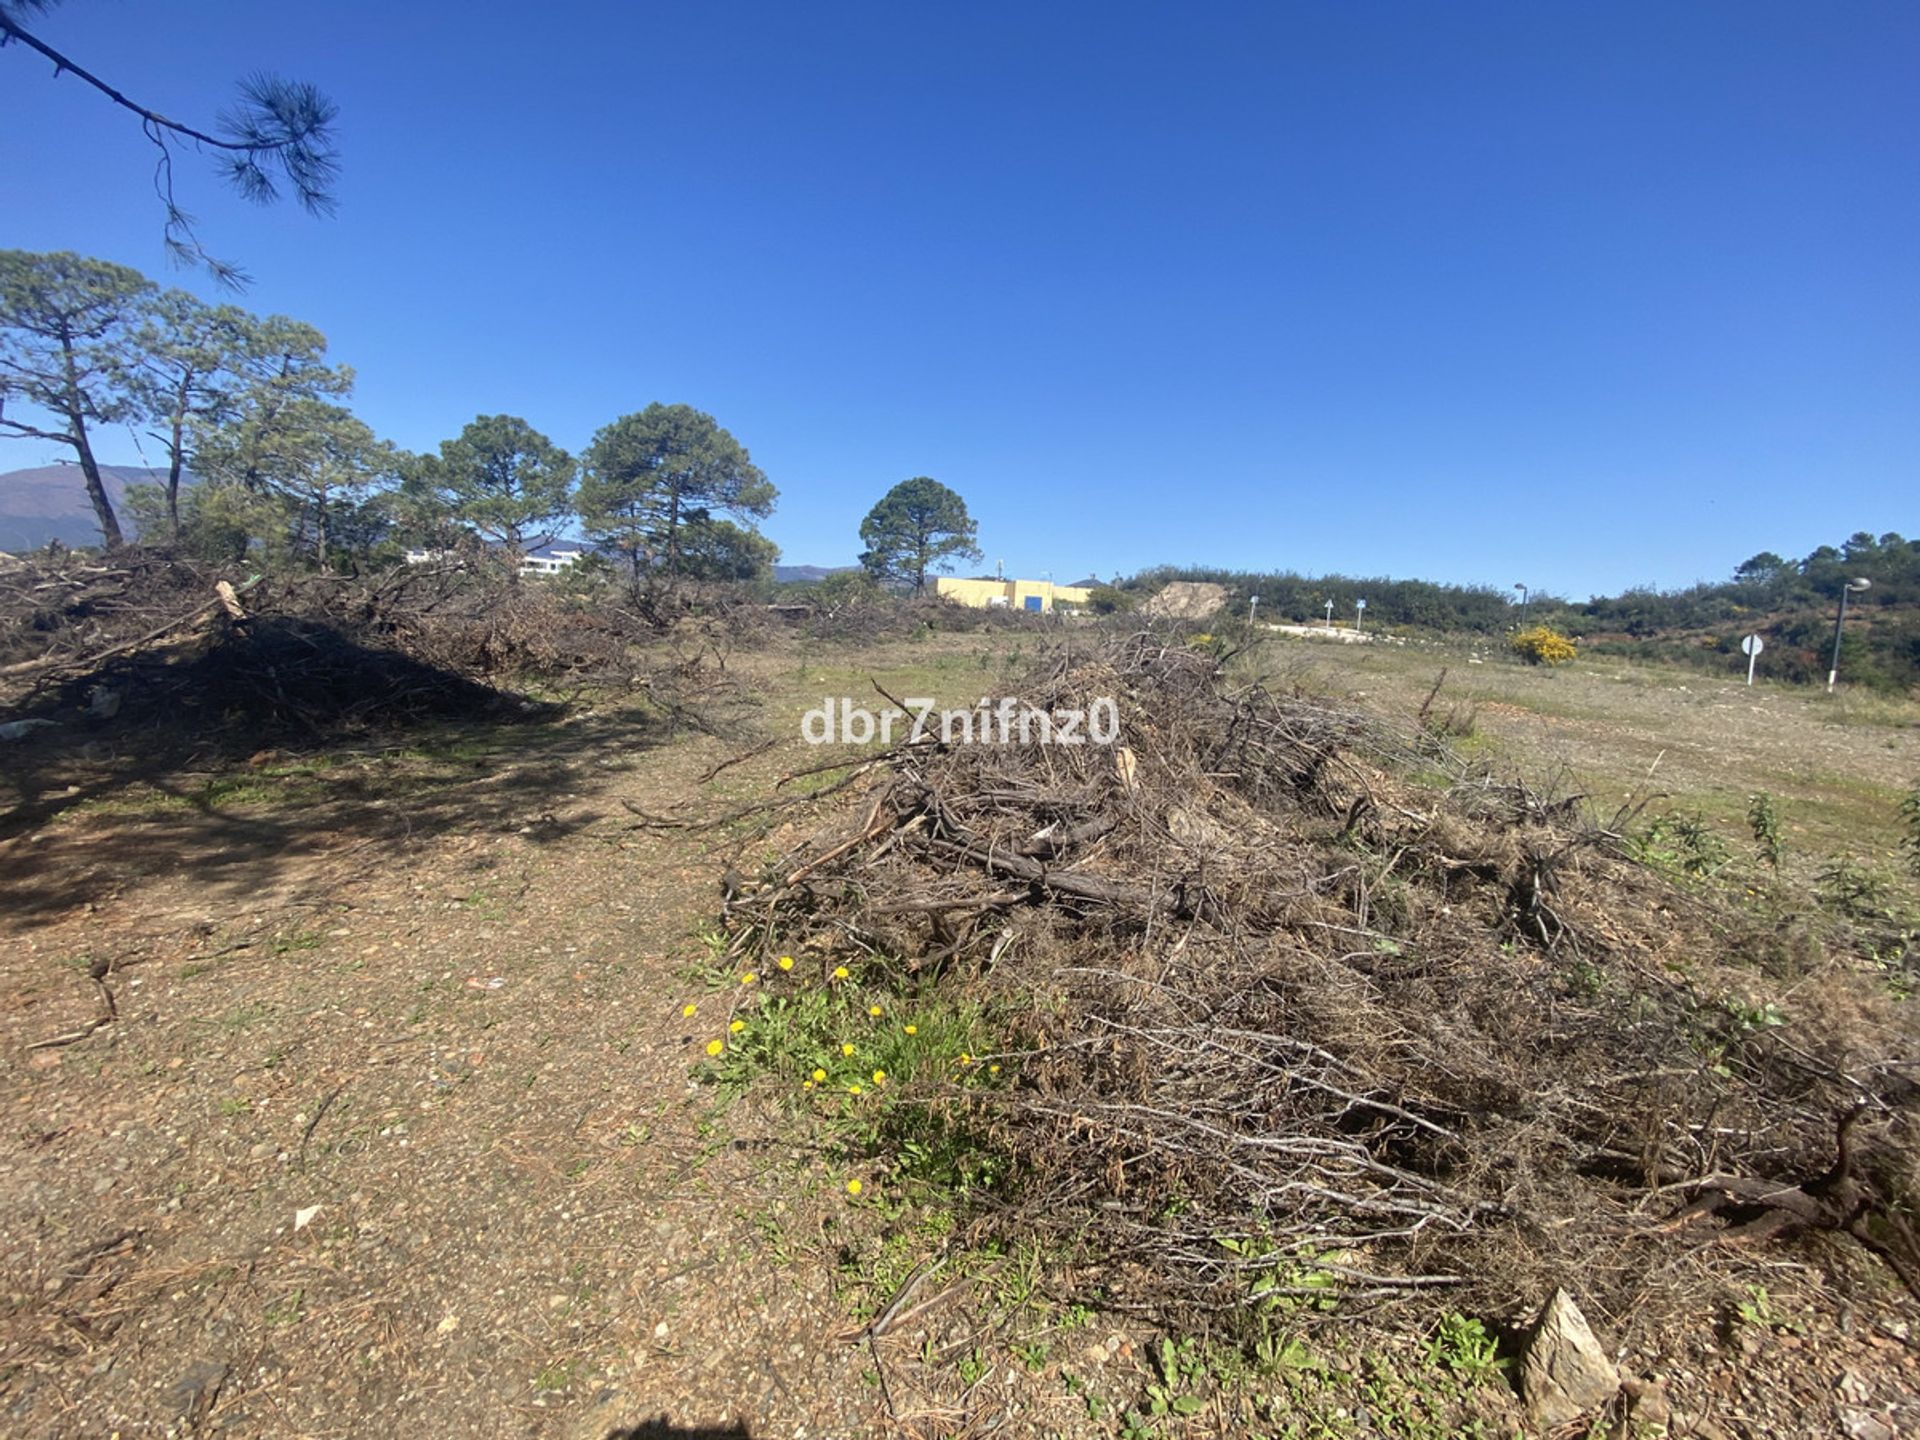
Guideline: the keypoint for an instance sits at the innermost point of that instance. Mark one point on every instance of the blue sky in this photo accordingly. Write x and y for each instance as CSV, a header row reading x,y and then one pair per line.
x,y
1581,295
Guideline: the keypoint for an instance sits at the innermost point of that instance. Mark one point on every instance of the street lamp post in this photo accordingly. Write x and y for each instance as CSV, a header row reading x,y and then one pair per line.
x,y
1852,587
1329,614
1523,605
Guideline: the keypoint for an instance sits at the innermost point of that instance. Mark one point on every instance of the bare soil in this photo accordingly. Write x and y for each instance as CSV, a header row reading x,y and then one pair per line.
x,y
394,1123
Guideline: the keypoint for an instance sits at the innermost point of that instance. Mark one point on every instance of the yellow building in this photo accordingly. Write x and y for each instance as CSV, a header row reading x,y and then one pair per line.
x,y
1041,595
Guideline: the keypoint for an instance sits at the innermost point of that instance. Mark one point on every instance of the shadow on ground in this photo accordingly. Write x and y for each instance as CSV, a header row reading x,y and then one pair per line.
x,y
88,818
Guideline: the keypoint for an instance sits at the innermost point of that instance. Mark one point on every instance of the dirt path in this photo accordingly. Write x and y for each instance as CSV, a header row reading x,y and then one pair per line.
x,y
394,1126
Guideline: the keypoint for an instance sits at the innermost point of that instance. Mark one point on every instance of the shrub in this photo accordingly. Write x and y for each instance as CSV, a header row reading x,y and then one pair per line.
x,y
1764,821
1910,817
1541,646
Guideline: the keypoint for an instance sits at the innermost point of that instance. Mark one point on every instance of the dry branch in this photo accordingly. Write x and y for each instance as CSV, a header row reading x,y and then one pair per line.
x,y
1300,1027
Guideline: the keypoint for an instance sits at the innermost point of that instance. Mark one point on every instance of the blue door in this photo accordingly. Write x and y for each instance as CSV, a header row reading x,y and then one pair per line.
x,y
1033,602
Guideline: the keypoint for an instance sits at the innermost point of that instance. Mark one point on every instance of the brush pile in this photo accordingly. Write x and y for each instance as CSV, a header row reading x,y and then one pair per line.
x,y
142,634
1313,1014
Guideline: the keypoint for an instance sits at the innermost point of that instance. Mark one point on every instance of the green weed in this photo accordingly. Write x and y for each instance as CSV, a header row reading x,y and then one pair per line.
x,y
1764,821
1466,1347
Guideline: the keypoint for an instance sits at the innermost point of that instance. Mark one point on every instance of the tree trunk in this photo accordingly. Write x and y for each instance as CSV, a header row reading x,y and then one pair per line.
x,y
320,526
96,490
673,534
175,460
89,467
515,544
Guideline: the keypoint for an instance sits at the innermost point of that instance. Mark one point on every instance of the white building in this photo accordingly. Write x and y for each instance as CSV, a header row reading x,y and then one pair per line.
x,y
549,560
553,560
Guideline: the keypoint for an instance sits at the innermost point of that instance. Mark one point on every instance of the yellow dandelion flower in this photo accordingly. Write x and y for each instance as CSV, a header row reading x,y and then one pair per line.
x,y
737,1026
966,1059
806,1085
846,1049
714,1047
853,1187
874,1010
688,1009
912,1029
786,962
853,1089
879,1077
993,1069
818,1076
748,978
839,972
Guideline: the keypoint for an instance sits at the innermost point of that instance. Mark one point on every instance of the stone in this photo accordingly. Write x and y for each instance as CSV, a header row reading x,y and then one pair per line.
x,y
1859,1425
193,1394
1647,1406
1565,1373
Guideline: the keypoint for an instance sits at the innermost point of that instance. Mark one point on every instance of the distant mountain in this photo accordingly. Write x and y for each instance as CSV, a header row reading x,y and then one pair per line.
x,y
807,574
49,502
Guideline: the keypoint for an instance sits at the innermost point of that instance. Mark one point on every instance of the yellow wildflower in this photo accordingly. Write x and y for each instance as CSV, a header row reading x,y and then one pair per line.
x,y
913,1029
966,1059
737,1026
748,978
786,962
874,1010
993,1069
853,1187
818,1076
853,1089
688,1009
839,972
714,1047
846,1049
879,1077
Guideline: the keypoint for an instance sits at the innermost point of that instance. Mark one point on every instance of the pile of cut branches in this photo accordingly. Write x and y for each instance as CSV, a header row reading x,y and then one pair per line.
x,y
1315,1014
144,634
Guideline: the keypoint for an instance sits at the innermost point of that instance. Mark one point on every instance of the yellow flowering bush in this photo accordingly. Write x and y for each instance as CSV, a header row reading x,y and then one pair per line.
x,y
1542,646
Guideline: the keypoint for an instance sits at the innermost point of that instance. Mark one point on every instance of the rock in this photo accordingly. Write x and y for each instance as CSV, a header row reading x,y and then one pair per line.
x,y
1859,1425
195,1391
1565,1372
1187,600
1647,1409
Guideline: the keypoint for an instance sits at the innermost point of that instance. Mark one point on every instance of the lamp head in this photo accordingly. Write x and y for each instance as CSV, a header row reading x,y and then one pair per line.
x,y
1860,584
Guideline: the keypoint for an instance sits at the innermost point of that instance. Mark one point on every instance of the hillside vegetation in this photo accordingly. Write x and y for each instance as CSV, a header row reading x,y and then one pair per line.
x,y
1790,603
